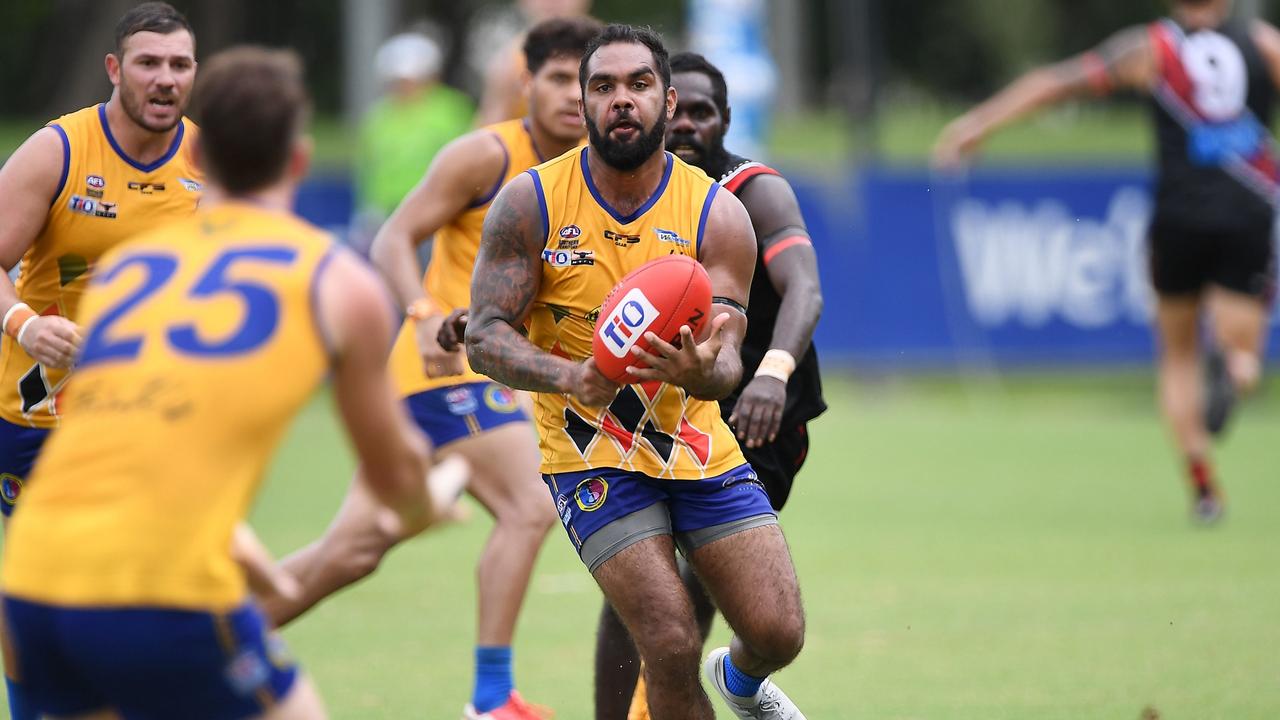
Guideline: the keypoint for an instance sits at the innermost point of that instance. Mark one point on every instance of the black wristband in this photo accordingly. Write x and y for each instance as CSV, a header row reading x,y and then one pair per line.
x,y
718,300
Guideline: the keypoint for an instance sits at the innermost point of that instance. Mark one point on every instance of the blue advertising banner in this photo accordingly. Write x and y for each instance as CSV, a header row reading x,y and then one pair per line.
x,y
1004,266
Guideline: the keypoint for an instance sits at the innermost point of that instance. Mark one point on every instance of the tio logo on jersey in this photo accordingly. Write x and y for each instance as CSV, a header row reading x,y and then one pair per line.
x,y
630,318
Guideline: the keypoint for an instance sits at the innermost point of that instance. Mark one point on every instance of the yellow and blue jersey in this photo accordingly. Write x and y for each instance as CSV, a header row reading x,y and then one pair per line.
x,y
453,256
200,344
652,428
104,196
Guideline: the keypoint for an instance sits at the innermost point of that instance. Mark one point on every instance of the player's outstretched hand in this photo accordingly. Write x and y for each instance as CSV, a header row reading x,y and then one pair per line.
x,y
591,387
264,577
446,482
758,414
452,330
436,360
52,341
957,143
687,366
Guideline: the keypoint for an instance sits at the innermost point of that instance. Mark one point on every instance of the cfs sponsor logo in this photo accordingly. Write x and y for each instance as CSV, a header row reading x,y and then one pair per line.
x,y
460,401
667,236
146,188
591,493
621,240
94,185
568,258
92,206
190,185
499,399
630,318
10,488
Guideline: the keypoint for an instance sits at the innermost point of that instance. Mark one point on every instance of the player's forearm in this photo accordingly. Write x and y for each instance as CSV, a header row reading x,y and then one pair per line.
x,y
394,254
396,474
1033,91
797,318
496,349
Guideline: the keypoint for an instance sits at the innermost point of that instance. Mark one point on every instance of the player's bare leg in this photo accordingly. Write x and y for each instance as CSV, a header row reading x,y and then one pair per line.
x,y
302,703
1178,323
353,546
1239,322
618,696
505,480
643,585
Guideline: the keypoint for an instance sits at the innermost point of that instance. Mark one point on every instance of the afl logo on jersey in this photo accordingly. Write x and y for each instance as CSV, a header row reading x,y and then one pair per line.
x,y
94,185
569,232
591,493
10,488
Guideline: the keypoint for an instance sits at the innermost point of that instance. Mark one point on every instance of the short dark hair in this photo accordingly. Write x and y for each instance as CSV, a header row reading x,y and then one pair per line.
x,y
156,17
695,63
251,104
615,34
559,37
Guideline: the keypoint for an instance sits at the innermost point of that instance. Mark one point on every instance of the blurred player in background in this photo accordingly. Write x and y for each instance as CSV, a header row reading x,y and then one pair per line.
x,y
1213,81
202,340
416,117
72,191
503,97
781,389
463,412
637,469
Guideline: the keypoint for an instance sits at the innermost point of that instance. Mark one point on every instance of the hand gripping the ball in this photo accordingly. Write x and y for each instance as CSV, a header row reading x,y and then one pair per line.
x,y
590,387
691,365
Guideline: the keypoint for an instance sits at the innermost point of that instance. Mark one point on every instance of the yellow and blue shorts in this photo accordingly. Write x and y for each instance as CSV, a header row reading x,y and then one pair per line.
x,y
606,510
146,663
19,446
454,412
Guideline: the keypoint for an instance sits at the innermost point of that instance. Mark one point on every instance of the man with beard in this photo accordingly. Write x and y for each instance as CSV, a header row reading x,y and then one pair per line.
x,y
641,469
464,413
72,191
778,394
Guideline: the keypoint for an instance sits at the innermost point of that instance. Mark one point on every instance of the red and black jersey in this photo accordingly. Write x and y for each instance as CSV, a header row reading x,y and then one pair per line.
x,y
804,389
1213,105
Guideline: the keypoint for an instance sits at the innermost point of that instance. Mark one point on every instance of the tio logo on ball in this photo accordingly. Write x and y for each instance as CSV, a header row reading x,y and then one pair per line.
x,y
630,318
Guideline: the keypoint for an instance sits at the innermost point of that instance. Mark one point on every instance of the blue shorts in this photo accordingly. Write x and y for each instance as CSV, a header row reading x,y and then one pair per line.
x,y
607,509
19,446
147,663
454,412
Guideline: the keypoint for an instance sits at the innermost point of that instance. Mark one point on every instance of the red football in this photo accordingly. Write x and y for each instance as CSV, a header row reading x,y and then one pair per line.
x,y
659,297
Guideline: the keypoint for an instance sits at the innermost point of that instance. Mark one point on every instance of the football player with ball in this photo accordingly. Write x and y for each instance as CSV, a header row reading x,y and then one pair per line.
x,y
637,470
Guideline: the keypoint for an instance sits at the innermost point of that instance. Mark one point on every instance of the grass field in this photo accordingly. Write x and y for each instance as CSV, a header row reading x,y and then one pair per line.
x,y
1016,549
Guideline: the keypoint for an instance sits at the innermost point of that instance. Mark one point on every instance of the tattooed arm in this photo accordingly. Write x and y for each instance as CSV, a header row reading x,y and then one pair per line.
x,y
506,279
1124,60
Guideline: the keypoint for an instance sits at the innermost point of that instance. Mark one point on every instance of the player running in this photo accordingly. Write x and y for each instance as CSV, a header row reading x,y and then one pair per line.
x,y
72,191
202,340
1213,81
464,413
636,470
781,389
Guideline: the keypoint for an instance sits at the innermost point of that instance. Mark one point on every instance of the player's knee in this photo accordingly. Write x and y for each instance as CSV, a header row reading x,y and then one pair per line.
x,y
672,647
530,513
1245,370
780,640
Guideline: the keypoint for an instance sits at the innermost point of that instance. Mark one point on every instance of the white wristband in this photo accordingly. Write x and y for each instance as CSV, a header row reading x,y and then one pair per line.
x,y
23,329
12,309
778,364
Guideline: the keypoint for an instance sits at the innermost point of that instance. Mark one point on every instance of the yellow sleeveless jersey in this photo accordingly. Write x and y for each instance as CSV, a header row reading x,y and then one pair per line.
x,y
200,346
453,255
652,428
103,198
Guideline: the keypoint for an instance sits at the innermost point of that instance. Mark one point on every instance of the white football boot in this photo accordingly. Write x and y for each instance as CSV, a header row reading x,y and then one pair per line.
x,y
769,703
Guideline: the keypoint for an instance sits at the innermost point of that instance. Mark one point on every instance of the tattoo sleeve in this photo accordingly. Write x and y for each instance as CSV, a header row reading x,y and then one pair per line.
x,y
504,283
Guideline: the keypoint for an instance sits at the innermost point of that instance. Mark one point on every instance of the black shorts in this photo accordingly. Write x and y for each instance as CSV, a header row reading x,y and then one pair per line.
x,y
1183,262
777,463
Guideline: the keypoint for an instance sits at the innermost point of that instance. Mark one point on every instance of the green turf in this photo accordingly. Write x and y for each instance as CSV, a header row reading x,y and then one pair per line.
x,y
999,549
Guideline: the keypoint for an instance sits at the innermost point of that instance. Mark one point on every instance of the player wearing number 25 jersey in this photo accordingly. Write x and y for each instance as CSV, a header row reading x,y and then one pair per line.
x,y
1213,82
202,339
